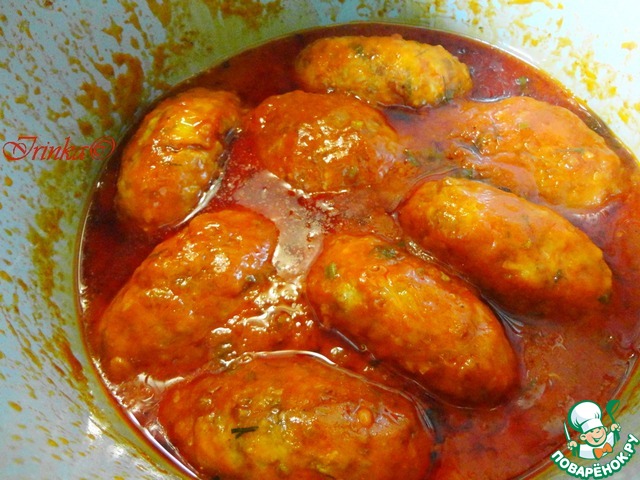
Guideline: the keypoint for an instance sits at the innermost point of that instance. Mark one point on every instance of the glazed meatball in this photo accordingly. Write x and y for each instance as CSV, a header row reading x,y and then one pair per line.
x,y
295,417
385,70
196,298
173,157
408,311
526,256
322,143
535,149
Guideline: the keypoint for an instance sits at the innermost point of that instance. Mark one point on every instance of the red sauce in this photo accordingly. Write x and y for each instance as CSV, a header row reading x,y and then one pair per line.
x,y
561,363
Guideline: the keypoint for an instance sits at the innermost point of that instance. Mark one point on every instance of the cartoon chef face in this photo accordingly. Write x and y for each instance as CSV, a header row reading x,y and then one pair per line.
x,y
595,437
586,417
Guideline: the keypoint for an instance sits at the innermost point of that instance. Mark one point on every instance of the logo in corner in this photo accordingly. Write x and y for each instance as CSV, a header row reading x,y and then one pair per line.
x,y
597,442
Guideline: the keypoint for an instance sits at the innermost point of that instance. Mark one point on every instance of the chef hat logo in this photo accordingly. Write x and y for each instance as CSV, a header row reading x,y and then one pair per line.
x,y
585,416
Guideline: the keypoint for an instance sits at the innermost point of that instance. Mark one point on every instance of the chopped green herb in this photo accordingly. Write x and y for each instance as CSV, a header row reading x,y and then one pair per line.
x,y
467,173
411,158
606,298
351,172
359,49
480,142
348,297
407,86
418,158
331,271
558,276
239,431
577,150
375,363
449,93
386,252
522,81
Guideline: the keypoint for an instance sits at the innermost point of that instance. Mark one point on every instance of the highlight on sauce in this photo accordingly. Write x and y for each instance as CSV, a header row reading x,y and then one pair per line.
x,y
364,251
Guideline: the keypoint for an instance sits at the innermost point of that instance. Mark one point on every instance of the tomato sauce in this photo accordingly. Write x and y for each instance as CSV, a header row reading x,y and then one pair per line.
x,y
561,363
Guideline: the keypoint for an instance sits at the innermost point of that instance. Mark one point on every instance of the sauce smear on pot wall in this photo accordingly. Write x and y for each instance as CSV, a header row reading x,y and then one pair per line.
x,y
235,279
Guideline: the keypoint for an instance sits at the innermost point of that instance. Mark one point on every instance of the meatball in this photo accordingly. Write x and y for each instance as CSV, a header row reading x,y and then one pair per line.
x,y
625,243
535,149
386,70
322,143
296,417
410,312
622,248
196,298
173,157
525,256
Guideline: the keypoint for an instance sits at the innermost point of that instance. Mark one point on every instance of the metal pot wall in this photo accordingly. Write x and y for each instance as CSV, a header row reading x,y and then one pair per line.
x,y
63,67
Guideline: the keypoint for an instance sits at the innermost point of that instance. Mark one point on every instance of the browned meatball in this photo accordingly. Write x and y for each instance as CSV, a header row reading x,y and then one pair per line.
x,y
387,70
531,147
174,156
525,256
197,298
295,417
321,142
410,312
